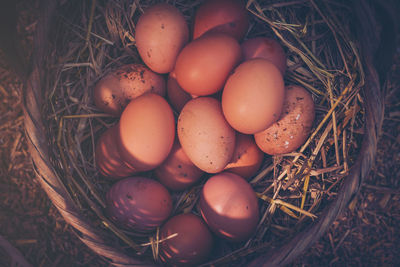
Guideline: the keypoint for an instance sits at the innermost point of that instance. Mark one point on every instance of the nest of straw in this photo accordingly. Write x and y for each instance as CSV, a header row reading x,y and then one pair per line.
x,y
301,193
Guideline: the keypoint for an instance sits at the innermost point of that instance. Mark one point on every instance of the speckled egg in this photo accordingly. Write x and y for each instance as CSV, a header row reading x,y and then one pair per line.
x,y
294,125
204,134
115,90
161,33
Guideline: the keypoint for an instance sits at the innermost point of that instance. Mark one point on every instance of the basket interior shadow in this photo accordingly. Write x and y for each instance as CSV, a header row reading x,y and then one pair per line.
x,y
53,174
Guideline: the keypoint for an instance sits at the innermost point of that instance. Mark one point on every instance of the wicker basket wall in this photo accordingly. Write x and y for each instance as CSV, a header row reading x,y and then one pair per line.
x,y
49,175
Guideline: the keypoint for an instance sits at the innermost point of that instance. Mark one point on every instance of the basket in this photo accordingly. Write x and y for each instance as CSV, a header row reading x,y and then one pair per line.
x,y
66,184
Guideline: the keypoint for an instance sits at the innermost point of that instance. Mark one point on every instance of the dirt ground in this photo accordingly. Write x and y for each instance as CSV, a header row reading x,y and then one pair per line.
x,y
367,233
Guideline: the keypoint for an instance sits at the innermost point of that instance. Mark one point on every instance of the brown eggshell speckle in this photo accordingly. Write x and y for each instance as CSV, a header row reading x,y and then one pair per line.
x,y
177,172
138,203
108,160
229,206
115,90
294,125
176,95
223,16
203,65
192,245
267,48
146,132
161,33
252,98
204,134
247,157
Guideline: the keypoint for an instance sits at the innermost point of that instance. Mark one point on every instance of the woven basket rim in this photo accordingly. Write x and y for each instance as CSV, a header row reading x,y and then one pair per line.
x,y
92,237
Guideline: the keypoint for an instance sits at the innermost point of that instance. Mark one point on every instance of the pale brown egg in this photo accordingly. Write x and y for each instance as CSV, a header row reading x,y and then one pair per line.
x,y
146,132
267,48
229,206
223,16
252,98
204,134
190,244
177,172
294,125
247,157
177,97
203,65
115,90
108,160
161,33
138,203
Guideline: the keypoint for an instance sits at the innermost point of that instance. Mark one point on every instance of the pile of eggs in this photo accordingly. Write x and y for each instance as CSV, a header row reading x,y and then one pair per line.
x,y
232,107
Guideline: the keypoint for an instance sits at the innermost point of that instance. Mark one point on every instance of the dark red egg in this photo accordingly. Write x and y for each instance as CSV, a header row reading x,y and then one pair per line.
x,y
108,160
178,172
267,48
189,242
177,97
222,16
138,203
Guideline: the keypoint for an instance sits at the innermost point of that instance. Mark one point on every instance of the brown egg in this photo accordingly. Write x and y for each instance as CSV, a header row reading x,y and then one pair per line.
x,y
270,49
203,65
115,90
176,95
138,203
252,98
229,206
108,160
247,157
223,16
177,172
294,125
146,131
161,33
204,134
191,245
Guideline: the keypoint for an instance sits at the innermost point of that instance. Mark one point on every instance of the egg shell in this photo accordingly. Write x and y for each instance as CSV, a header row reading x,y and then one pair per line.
x,y
116,89
223,16
108,160
138,203
204,134
253,95
146,132
267,48
192,245
177,97
294,125
177,172
203,65
229,206
161,32
247,157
